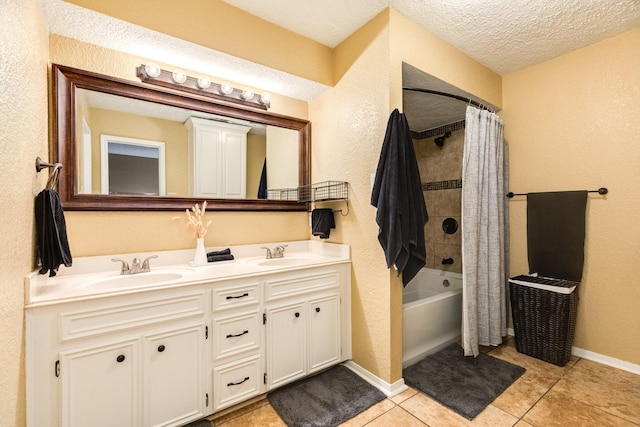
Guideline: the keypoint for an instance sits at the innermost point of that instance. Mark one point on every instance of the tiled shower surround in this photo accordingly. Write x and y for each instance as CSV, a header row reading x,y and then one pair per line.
x,y
441,177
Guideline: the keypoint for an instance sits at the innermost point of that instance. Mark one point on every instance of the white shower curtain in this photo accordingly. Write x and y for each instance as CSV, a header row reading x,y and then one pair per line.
x,y
484,231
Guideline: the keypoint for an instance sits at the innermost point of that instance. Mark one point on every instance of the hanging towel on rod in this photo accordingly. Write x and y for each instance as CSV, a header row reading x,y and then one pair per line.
x,y
397,194
556,234
322,221
51,230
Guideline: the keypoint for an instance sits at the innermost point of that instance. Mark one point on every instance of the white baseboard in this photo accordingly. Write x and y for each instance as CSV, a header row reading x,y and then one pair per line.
x,y
389,390
600,358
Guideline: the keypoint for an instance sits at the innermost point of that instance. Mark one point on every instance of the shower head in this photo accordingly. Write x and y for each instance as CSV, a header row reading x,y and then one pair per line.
x,y
440,140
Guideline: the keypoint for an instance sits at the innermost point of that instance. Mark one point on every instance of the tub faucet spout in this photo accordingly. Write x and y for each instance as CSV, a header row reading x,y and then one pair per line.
x,y
446,261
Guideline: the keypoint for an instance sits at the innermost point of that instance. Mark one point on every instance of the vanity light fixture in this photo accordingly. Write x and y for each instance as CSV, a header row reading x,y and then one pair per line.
x,y
152,73
179,76
226,88
247,94
204,82
152,69
265,99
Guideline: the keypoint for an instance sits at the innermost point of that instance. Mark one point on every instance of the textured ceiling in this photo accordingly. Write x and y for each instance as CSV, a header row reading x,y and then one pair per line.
x,y
504,35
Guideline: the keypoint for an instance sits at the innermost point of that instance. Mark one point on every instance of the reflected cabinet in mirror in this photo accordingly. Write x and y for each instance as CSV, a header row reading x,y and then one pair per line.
x,y
131,146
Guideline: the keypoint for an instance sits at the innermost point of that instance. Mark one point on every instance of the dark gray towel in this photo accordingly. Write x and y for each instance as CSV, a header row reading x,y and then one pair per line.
x,y
397,194
555,233
51,230
322,221
222,255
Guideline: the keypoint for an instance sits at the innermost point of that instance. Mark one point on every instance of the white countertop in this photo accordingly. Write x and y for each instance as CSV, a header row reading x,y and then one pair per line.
x,y
99,276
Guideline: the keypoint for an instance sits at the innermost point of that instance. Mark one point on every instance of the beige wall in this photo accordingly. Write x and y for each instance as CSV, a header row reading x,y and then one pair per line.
x,y
23,136
573,123
349,121
368,67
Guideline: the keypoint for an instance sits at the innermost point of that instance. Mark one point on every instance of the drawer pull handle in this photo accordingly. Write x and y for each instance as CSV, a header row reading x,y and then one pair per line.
x,y
317,309
120,358
161,348
237,335
297,314
246,294
239,382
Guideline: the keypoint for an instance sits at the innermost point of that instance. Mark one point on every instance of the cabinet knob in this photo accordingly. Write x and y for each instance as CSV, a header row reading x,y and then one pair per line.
x,y
297,314
120,358
317,309
161,348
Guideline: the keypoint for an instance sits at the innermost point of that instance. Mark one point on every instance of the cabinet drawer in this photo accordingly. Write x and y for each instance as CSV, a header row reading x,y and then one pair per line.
x,y
235,295
117,317
291,285
238,381
236,334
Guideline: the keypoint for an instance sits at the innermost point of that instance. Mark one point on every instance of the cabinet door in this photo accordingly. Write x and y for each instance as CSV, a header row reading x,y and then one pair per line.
x,y
174,376
207,174
234,165
286,343
100,386
324,332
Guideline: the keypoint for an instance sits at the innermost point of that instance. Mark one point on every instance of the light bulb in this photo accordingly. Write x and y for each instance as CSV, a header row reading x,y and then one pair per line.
x,y
265,99
152,69
204,82
226,88
179,76
247,93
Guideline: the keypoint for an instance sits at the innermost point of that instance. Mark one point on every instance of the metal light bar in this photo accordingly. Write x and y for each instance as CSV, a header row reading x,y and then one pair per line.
x,y
222,92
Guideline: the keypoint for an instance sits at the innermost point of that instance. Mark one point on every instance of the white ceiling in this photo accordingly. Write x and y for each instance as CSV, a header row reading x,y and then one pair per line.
x,y
504,35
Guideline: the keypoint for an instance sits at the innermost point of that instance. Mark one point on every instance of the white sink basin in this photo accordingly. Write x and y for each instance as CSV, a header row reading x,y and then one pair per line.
x,y
287,260
140,279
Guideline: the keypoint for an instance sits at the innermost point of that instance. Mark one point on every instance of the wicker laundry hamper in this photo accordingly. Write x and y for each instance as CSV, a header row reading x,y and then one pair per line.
x,y
544,316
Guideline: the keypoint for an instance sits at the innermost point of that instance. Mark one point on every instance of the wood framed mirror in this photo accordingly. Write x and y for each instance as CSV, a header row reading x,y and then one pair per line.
x,y
206,155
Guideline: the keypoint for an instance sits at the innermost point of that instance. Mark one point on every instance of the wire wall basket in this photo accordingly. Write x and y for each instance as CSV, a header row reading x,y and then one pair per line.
x,y
324,191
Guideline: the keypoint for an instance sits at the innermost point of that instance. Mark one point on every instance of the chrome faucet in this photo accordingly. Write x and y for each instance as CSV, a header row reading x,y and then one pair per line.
x,y
278,251
136,267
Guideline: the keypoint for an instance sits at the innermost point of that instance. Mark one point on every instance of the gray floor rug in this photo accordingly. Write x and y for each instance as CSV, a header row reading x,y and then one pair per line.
x,y
327,399
458,383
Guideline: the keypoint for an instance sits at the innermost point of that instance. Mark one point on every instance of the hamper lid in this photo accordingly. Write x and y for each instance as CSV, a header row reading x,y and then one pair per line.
x,y
561,286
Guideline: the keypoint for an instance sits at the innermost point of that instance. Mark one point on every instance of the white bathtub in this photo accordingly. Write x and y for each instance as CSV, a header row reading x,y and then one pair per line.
x,y
431,313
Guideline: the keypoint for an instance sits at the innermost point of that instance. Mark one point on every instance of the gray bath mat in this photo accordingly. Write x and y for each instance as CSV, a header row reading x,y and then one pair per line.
x,y
327,399
458,383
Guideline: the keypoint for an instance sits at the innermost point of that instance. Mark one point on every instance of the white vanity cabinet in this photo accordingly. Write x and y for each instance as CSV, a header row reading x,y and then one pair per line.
x,y
136,360
170,355
303,321
217,159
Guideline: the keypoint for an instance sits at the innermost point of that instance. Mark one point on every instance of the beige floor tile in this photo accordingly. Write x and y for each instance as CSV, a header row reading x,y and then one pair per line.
x,y
522,423
370,414
238,412
612,390
398,398
433,414
396,417
557,409
520,397
264,416
543,373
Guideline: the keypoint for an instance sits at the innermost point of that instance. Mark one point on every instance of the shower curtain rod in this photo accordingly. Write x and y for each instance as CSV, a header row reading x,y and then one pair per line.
x,y
450,95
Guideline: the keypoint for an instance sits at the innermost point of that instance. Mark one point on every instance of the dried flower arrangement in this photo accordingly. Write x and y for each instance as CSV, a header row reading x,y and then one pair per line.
x,y
195,217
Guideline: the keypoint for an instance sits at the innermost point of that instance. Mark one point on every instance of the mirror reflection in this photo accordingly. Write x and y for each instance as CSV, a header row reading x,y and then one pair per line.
x,y
130,146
